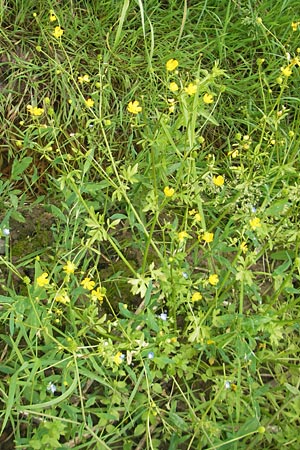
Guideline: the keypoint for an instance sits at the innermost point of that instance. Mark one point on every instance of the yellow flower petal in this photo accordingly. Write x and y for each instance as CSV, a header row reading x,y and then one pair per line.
x,y
58,32
218,181
169,192
171,65
208,98
134,108
213,279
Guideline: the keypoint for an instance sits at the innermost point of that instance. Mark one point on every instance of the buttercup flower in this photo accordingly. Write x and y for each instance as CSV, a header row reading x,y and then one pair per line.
x,y
69,268
58,32
244,247
208,237
213,279
208,98
196,297
233,153
134,108
62,298
88,284
182,235
286,71
218,181
84,79
171,101
98,294
169,192
52,16
89,103
35,111
118,358
42,280
295,25
255,223
173,86
191,89
171,65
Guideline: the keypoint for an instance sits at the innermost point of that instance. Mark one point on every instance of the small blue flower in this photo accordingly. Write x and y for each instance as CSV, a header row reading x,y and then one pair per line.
x,y
6,231
227,384
185,275
51,387
150,355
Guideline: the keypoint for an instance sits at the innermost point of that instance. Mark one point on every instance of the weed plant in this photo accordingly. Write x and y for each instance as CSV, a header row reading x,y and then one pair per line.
x,y
161,138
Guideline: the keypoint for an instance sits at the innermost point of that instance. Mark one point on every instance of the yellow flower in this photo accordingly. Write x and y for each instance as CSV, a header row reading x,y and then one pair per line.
x,y
286,71
244,247
197,217
169,192
171,65
88,284
35,111
52,16
218,181
134,108
171,109
233,153
208,98
196,297
255,223
173,86
84,79
89,103
182,235
191,89
213,279
192,212
62,298
42,280
69,268
295,61
98,294
58,32
208,237
118,358
294,26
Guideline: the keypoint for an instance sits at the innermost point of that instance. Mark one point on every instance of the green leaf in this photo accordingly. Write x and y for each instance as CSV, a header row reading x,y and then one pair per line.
x,y
19,167
140,429
58,213
278,208
124,311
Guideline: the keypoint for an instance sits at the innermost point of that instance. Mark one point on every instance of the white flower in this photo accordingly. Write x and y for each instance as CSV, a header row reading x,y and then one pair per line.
x,y
51,387
163,316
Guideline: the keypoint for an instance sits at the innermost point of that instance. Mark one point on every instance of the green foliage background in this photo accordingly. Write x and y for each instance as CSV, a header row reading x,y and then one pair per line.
x,y
149,262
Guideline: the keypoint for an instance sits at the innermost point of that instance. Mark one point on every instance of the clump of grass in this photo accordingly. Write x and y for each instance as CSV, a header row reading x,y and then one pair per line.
x,y
166,313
